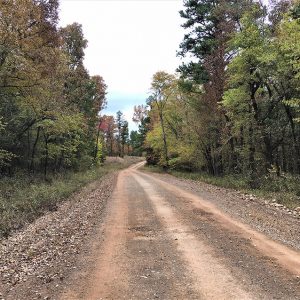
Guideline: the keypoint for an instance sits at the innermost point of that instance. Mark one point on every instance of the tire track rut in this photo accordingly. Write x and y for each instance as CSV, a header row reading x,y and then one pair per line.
x,y
162,242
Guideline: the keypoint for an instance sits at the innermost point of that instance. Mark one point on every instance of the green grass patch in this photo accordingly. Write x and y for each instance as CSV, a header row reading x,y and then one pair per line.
x,y
24,198
284,189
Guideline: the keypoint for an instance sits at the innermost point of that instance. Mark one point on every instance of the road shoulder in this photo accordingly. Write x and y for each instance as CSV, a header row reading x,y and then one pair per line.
x,y
37,261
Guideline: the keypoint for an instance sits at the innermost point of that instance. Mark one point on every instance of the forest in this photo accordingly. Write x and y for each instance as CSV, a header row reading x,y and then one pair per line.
x,y
50,106
53,134
233,107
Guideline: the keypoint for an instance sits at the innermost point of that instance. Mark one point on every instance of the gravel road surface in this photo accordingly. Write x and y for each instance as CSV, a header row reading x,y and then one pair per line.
x,y
139,235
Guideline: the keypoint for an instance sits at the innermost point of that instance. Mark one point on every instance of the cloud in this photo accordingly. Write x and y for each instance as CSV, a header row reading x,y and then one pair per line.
x,y
128,41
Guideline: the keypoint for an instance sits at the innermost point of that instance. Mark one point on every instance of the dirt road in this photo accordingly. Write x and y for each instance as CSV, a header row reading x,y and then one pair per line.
x,y
160,240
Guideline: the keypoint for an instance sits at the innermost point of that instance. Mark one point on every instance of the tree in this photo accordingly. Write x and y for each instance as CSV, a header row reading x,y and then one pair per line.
x,y
74,44
287,77
261,82
5,156
137,138
108,127
210,25
161,91
49,102
124,136
84,94
119,125
139,114
235,108
30,57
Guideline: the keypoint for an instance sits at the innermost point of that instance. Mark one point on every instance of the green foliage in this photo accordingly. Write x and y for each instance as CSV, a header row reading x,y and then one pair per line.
x,y
259,91
5,156
288,57
122,135
49,103
235,109
137,138
74,44
200,20
163,89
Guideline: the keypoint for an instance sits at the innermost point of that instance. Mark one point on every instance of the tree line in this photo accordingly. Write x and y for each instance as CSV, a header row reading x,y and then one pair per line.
x,y
115,135
116,140
234,108
49,108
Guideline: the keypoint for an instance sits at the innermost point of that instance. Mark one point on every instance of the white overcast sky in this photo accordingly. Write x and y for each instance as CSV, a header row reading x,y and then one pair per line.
x,y
128,41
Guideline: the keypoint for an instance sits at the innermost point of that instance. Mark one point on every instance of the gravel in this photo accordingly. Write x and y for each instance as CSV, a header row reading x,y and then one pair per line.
x,y
36,261
270,218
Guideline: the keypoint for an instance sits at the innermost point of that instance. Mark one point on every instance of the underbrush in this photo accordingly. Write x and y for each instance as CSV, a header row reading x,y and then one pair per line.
x,y
284,189
23,198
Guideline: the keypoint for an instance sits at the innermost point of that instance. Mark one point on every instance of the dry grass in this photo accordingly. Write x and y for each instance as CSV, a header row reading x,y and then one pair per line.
x,y
24,198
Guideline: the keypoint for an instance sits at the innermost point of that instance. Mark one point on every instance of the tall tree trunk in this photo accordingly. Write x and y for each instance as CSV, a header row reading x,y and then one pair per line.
x,y
34,149
295,142
111,146
166,157
28,150
209,160
232,157
278,170
60,160
123,149
46,157
119,147
97,141
268,153
284,158
252,166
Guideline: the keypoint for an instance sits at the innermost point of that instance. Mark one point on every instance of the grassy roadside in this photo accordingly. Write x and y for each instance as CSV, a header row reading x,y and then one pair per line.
x,y
24,198
285,190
